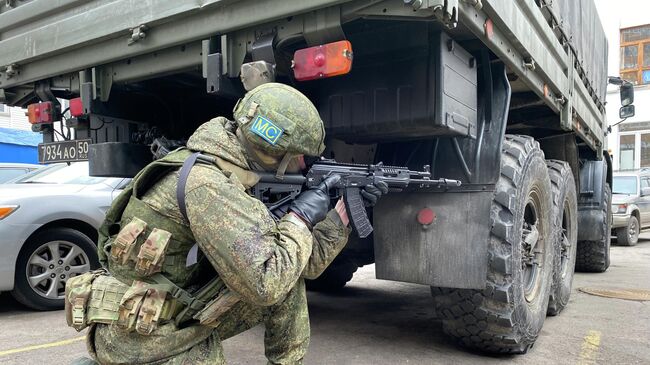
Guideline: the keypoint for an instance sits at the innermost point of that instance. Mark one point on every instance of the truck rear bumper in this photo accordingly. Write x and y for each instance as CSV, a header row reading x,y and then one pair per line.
x,y
450,252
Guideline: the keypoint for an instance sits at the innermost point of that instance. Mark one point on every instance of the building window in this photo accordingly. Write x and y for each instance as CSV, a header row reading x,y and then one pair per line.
x,y
626,152
645,150
635,54
3,109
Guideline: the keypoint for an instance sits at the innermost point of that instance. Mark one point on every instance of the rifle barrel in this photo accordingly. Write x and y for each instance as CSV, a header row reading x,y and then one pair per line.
x,y
295,179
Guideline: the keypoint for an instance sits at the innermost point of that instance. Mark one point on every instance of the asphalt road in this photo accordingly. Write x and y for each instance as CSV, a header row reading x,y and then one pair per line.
x,y
381,322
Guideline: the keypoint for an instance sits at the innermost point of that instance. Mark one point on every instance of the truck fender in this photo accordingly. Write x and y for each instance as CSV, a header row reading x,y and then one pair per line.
x,y
593,177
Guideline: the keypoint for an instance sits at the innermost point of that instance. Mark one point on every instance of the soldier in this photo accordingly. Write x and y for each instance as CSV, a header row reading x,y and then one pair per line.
x,y
192,259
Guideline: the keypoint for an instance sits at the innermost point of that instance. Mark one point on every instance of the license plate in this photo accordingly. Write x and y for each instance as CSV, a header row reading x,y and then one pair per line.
x,y
64,151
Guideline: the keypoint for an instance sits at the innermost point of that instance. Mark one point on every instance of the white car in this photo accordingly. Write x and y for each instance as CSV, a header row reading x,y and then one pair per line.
x,y
48,230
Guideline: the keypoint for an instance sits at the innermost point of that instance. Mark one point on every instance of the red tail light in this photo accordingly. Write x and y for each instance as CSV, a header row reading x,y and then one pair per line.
x,y
76,107
327,60
41,113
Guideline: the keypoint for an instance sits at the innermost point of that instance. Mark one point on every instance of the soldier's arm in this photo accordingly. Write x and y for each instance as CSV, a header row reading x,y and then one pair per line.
x,y
330,236
258,258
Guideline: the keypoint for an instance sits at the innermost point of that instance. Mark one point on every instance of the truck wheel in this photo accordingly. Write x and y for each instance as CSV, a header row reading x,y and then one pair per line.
x,y
508,314
593,256
628,236
335,276
565,233
45,264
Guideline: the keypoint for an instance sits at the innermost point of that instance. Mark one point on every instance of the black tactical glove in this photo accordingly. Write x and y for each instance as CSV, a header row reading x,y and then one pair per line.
x,y
373,192
312,205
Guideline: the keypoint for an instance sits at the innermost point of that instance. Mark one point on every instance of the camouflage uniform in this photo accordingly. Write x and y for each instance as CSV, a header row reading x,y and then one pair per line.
x,y
262,261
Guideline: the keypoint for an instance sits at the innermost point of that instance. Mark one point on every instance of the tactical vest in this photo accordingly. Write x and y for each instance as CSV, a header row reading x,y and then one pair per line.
x,y
146,254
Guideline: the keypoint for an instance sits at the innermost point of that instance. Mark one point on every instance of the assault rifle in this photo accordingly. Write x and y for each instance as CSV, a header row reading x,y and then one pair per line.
x,y
277,194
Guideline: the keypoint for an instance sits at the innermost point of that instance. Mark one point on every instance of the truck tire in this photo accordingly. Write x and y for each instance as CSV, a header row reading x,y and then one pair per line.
x,y
628,236
335,276
593,256
565,233
508,314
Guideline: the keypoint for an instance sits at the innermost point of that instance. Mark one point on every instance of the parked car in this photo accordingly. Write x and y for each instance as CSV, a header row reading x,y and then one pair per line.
x,y
630,205
48,225
10,171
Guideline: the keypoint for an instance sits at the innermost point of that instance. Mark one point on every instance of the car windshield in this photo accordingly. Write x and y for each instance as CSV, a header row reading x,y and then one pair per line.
x,y
7,174
75,173
624,185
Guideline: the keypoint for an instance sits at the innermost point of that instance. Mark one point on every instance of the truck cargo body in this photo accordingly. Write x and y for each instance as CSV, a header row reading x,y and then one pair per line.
x,y
42,40
433,82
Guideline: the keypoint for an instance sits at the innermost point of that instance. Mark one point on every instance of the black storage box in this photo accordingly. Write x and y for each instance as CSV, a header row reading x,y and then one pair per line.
x,y
407,81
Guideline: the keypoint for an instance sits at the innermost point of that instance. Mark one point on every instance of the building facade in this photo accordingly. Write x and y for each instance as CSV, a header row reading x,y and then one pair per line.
x,y
628,31
13,118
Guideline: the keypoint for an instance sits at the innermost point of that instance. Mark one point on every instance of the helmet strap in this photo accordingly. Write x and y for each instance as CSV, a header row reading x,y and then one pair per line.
x,y
282,168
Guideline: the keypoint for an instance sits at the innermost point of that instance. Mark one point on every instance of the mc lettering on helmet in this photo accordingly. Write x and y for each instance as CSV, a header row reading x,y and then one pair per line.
x,y
266,129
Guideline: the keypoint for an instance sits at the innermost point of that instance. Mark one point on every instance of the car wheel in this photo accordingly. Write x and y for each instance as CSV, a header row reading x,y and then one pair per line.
x,y
45,264
628,236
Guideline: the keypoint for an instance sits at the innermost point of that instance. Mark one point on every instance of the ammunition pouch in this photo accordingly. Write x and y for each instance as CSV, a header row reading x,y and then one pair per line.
x,y
125,240
95,297
78,292
152,252
144,306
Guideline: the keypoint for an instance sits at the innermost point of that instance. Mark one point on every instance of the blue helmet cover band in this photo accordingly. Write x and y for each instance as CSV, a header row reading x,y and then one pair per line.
x,y
266,129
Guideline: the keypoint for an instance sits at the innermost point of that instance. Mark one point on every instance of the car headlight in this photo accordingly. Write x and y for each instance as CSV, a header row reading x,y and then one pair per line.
x,y
6,210
619,208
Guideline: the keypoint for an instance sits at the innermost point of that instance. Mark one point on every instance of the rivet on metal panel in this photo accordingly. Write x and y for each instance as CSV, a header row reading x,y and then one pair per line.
x,y
489,28
417,4
137,34
11,70
477,4
530,64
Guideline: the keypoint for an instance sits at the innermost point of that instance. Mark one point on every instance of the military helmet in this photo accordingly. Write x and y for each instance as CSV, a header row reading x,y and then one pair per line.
x,y
279,120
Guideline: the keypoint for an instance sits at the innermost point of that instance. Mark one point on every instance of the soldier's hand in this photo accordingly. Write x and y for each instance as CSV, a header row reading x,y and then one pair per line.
x,y
312,205
372,193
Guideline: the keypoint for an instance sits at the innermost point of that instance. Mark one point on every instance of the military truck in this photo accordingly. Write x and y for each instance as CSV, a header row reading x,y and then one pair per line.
x,y
505,96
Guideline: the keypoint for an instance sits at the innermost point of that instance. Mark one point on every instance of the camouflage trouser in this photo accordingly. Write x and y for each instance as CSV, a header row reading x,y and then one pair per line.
x,y
286,338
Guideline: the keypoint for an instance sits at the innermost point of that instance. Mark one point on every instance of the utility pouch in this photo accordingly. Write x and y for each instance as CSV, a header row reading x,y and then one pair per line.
x,y
77,294
124,242
105,298
144,306
130,305
150,311
209,315
152,252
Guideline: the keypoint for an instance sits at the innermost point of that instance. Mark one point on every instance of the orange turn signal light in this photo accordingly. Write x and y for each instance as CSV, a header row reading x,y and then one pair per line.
x,y
41,113
6,210
322,61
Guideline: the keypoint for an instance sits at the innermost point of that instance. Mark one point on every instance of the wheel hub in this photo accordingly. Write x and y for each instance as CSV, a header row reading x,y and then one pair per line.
x,y
632,231
531,247
52,264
